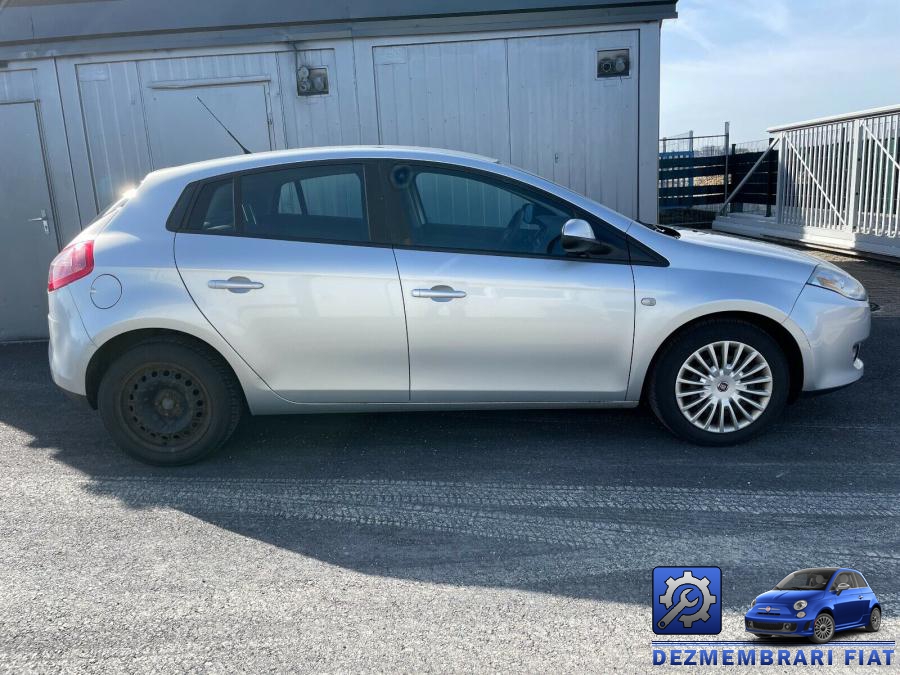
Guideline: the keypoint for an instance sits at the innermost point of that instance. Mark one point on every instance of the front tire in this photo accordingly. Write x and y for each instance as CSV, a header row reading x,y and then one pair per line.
x,y
720,382
823,629
169,401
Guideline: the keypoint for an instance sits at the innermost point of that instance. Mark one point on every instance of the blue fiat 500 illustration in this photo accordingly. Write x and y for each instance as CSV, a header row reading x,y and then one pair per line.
x,y
815,603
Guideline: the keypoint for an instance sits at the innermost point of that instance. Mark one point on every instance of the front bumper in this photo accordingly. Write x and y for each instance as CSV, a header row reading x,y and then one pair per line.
x,y
784,624
70,348
834,327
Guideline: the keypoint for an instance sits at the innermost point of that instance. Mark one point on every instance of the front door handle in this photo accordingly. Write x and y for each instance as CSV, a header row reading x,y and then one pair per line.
x,y
438,293
234,284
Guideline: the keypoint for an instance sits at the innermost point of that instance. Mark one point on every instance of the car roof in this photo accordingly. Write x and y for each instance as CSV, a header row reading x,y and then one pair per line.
x,y
245,162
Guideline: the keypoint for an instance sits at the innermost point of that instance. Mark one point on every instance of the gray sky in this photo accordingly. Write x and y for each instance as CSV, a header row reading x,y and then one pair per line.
x,y
759,63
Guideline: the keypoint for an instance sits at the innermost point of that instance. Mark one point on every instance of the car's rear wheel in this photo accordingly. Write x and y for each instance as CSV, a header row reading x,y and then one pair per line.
x,y
874,624
823,628
720,382
169,401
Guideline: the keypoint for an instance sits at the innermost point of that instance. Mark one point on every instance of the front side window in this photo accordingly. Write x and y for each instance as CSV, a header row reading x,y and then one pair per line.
x,y
461,210
842,578
308,202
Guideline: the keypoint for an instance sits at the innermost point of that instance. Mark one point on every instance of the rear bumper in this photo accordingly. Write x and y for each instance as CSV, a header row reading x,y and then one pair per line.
x,y
834,327
70,348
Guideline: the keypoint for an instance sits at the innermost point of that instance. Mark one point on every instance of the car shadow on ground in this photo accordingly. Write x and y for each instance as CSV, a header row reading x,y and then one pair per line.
x,y
575,503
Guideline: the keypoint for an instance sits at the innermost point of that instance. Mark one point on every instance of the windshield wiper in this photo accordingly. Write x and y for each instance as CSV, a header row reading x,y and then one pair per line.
x,y
662,229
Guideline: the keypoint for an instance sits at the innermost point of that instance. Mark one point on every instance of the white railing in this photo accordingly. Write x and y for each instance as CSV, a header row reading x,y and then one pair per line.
x,y
838,181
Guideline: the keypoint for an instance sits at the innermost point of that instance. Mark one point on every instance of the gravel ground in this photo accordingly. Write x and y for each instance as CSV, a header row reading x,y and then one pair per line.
x,y
407,542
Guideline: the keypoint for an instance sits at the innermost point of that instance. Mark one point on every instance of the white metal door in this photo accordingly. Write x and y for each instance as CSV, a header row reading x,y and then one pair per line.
x,y
27,225
444,95
182,130
570,126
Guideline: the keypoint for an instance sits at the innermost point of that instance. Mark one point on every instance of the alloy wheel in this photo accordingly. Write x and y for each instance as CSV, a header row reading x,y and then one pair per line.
x,y
724,386
824,627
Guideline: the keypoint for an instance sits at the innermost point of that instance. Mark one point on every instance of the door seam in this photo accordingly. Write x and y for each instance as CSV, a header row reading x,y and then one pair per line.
x,y
405,327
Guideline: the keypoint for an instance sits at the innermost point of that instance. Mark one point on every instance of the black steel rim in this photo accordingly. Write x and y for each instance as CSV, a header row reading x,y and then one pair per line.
x,y
165,406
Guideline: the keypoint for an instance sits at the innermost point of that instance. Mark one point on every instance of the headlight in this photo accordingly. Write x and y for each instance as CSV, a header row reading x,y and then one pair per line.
x,y
838,281
800,615
800,604
753,602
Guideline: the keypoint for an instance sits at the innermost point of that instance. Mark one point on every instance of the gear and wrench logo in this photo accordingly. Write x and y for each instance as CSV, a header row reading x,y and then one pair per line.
x,y
685,597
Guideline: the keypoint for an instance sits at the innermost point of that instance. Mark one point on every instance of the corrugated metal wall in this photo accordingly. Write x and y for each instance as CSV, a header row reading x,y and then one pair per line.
x,y
531,100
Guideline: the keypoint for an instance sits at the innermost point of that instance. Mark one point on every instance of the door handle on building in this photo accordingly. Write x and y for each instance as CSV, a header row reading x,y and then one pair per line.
x,y
43,220
438,293
234,284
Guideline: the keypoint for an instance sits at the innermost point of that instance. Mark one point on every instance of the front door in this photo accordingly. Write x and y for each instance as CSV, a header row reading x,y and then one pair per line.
x,y
27,225
850,604
495,309
298,283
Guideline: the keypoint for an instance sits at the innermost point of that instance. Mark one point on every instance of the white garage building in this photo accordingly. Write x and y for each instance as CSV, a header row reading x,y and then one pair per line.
x,y
95,94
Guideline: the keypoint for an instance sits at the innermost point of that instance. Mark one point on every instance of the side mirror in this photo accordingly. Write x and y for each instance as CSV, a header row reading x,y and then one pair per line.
x,y
842,587
578,237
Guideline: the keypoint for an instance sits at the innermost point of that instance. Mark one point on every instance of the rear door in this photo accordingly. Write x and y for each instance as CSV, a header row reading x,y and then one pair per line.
x,y
287,265
496,310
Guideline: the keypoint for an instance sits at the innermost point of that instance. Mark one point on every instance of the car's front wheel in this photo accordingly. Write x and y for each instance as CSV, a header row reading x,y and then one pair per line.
x,y
720,382
169,401
874,624
823,628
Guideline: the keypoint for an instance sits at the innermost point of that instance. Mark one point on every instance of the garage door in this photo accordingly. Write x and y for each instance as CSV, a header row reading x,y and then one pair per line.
x,y
570,126
183,130
535,102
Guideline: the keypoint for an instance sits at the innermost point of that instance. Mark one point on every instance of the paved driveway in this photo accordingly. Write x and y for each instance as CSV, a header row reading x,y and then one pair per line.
x,y
454,541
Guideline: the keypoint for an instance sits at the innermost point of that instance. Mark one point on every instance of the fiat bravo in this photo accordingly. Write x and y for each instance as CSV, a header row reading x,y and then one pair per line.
x,y
376,279
815,603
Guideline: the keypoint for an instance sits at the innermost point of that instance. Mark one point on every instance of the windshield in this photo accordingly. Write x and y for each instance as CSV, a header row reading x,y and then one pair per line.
x,y
807,580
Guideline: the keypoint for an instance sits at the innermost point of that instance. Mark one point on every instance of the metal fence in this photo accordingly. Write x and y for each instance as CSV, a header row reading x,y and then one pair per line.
x,y
698,173
838,181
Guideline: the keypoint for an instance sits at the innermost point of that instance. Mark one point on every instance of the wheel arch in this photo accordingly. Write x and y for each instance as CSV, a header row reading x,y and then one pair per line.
x,y
779,333
110,350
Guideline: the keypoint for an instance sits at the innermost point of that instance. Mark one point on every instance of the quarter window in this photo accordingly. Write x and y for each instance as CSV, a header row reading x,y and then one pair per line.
x,y
214,208
313,202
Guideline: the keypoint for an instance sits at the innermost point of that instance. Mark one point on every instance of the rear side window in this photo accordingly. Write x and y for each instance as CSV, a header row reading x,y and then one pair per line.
x,y
312,202
214,208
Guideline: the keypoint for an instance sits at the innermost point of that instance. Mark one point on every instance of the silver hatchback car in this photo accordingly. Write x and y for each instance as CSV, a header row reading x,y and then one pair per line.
x,y
374,278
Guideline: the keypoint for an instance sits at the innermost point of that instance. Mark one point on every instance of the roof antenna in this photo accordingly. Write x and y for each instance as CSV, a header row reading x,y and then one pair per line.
x,y
234,138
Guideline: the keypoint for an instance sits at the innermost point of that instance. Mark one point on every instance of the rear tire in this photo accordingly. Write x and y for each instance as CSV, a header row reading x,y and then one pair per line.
x,y
169,401
702,391
874,624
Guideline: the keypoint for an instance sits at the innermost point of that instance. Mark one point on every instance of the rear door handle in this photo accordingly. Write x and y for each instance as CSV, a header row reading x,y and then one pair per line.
x,y
438,293
234,284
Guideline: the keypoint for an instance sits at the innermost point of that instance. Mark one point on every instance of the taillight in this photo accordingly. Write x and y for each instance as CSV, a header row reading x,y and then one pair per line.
x,y
73,262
